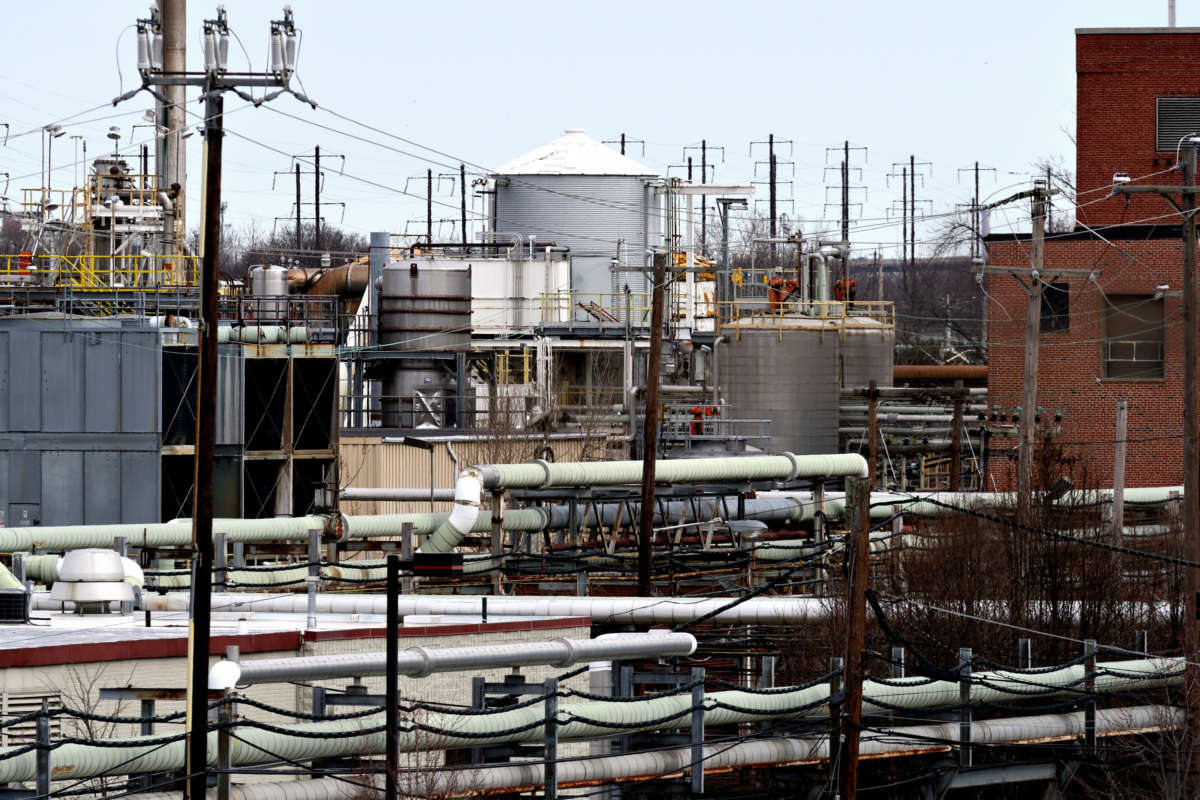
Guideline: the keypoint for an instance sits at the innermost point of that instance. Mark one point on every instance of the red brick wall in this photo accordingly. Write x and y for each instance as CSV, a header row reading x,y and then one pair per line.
x,y
1119,77
1071,374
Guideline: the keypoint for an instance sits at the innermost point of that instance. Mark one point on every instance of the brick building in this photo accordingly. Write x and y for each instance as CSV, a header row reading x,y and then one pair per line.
x,y
1116,333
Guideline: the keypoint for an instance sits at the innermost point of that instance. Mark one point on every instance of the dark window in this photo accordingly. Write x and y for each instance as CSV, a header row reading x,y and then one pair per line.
x,y
1177,118
1133,336
1056,307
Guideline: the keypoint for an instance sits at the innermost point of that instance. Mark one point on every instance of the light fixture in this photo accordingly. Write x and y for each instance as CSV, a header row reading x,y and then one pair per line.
x,y
114,133
149,115
1121,177
187,132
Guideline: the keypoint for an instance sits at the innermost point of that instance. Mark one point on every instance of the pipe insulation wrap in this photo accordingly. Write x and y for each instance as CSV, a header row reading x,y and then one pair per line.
x,y
776,751
587,720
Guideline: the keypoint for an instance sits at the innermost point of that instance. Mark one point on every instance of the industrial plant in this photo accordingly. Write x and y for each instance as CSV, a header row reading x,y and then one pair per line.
x,y
629,486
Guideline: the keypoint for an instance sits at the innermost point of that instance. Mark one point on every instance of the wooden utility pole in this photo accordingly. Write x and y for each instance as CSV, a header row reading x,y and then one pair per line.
x,y
1033,335
1191,449
317,199
462,183
858,554
873,433
650,427
1118,496
956,443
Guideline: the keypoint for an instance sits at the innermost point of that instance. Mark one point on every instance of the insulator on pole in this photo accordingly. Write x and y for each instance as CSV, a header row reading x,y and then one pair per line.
x,y
143,50
210,51
289,53
276,51
156,51
223,51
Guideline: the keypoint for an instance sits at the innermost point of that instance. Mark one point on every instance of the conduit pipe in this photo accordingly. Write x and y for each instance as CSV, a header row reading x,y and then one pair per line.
x,y
418,662
399,495
591,720
914,739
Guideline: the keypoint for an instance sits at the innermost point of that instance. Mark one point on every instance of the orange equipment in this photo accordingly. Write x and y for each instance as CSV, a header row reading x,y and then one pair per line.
x,y
698,415
779,290
844,289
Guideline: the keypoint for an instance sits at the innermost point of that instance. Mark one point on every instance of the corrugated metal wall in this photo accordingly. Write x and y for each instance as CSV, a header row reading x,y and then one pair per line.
x,y
78,421
367,461
587,213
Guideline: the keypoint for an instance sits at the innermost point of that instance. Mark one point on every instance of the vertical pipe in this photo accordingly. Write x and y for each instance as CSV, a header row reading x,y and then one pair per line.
x,y
1024,654
392,690
206,407
1089,687
224,761
314,575
897,662
220,566
406,554
174,168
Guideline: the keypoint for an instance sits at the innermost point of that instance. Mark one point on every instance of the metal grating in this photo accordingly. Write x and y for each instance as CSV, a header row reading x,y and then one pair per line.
x,y
1177,117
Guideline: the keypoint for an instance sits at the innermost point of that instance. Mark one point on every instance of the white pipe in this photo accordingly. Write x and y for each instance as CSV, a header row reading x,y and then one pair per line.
x,y
616,610
400,495
418,662
909,740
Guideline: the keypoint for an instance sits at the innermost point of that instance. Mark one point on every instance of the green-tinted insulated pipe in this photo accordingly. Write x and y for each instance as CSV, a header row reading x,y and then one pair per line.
x,y
593,720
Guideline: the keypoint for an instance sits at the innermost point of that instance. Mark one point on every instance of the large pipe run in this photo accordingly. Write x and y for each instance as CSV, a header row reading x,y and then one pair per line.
x,y
590,720
418,662
914,739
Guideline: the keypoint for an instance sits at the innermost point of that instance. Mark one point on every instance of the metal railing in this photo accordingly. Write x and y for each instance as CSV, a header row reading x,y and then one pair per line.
x,y
743,314
88,271
597,308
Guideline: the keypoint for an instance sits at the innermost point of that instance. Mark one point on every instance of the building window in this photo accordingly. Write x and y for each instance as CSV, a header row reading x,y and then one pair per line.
x,y
1056,307
1176,117
1133,337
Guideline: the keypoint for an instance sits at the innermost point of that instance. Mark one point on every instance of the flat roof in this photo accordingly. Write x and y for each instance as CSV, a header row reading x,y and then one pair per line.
x,y
60,638
1164,29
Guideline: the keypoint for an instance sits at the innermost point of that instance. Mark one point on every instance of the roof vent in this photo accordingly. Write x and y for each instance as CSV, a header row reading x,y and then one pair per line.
x,y
91,579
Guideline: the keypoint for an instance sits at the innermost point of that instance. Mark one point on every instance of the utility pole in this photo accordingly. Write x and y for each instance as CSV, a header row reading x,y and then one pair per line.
x,y
299,241
462,183
626,139
705,148
650,427
858,500
1191,449
317,198
1033,336
772,164
429,206
976,214
213,83
1118,496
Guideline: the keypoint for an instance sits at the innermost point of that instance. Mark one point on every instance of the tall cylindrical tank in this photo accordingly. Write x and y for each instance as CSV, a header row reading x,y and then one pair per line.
x,y
425,314
269,288
585,196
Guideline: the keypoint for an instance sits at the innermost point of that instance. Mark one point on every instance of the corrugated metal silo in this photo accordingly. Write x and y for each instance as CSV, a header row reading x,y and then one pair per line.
x,y
579,193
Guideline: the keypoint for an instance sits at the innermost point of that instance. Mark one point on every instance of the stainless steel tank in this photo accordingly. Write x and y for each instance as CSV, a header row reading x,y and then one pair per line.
x,y
424,310
269,288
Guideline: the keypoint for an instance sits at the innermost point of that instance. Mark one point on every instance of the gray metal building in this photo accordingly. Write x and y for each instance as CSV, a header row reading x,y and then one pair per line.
x,y
580,194
97,422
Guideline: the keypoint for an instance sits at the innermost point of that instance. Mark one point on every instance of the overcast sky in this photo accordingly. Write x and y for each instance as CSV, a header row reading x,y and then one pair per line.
x,y
484,82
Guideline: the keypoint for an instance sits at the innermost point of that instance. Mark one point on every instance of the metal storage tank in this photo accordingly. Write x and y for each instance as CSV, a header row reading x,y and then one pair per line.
x,y
580,194
425,309
269,281
791,371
